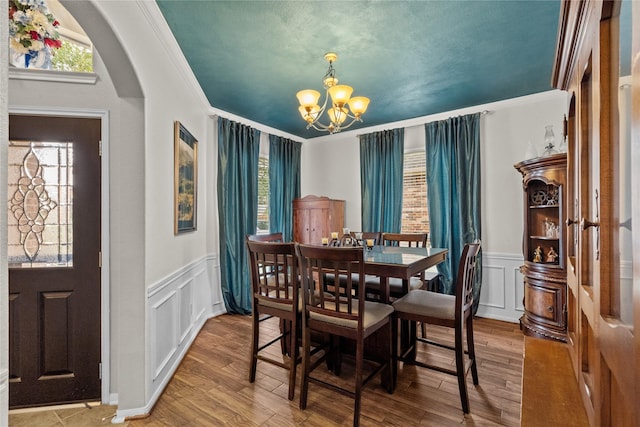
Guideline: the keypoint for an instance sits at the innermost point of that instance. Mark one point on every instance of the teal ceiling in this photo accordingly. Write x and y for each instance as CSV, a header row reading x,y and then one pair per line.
x,y
411,58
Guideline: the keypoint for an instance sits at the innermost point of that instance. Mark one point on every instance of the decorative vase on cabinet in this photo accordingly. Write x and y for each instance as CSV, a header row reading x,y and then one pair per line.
x,y
316,217
544,246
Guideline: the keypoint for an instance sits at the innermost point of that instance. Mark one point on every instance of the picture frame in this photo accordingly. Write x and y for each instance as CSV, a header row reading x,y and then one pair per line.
x,y
185,180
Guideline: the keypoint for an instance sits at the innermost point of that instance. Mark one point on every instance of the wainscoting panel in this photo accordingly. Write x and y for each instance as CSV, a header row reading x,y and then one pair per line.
x,y
493,295
163,332
178,306
502,287
185,293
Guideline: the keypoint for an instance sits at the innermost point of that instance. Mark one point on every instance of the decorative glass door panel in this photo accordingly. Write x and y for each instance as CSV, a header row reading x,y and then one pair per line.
x,y
40,228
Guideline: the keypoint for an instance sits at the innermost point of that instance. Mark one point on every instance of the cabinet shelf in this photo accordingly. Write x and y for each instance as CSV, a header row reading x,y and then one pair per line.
x,y
546,264
543,206
544,238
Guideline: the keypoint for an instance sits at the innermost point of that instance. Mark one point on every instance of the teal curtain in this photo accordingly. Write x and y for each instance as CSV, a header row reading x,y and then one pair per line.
x,y
453,182
238,151
284,183
381,163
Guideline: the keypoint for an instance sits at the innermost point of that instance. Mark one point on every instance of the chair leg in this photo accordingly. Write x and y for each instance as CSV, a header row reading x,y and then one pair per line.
x,y
284,330
471,349
462,383
335,355
293,358
386,374
423,330
358,390
393,363
306,355
254,345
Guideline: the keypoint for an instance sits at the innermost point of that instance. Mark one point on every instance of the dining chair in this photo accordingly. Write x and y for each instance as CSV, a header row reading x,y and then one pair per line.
x,y
431,277
418,240
451,311
339,313
271,237
366,235
273,269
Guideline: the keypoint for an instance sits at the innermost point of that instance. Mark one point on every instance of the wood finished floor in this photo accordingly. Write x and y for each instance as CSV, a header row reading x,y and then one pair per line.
x,y
211,387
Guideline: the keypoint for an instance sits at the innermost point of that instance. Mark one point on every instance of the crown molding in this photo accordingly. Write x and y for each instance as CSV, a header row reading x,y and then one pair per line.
x,y
52,76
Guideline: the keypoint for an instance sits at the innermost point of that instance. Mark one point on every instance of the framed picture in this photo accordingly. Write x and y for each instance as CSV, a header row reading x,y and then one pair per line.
x,y
185,179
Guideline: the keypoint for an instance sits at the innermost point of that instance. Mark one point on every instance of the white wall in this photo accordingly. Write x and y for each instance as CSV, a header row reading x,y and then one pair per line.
x,y
330,167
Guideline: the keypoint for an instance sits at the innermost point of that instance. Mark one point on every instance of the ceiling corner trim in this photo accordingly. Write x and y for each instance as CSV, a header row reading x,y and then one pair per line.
x,y
261,127
151,11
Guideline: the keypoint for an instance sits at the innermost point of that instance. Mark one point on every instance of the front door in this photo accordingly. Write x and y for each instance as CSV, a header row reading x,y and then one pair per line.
x,y
54,260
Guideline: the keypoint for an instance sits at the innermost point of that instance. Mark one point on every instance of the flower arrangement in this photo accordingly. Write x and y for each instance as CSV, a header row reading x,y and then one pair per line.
x,y
32,28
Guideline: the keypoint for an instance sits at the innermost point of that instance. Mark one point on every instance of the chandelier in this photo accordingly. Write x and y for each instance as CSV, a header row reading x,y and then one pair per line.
x,y
340,95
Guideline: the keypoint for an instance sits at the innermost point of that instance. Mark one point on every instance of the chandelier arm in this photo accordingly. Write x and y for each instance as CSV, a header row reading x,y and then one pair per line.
x,y
349,125
321,111
317,126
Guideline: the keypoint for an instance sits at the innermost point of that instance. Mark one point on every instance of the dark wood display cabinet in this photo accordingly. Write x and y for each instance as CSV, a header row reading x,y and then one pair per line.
x,y
544,247
316,217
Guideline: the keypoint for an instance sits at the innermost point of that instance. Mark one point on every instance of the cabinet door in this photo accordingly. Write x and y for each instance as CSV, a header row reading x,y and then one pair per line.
x,y
318,224
301,225
544,302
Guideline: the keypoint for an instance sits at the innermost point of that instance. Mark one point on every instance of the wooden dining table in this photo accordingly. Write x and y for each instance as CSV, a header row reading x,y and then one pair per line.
x,y
396,262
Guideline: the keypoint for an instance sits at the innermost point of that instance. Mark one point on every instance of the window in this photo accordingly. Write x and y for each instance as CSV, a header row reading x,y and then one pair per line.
x,y
73,57
263,195
415,215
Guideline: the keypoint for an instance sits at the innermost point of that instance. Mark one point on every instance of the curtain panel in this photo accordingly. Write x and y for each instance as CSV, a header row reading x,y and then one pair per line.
x,y
284,183
381,163
453,180
238,152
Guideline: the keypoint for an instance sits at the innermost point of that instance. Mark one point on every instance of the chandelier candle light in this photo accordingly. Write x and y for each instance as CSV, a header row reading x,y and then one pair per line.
x,y
340,96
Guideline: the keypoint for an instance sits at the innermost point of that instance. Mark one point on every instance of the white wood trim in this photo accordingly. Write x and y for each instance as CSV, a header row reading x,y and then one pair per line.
x,y
53,76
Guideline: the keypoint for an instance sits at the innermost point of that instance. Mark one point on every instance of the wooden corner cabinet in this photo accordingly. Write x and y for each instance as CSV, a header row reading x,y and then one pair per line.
x,y
543,247
316,217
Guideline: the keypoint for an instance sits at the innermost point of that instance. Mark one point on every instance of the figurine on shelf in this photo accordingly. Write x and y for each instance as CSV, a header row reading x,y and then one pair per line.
x,y
552,256
537,254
